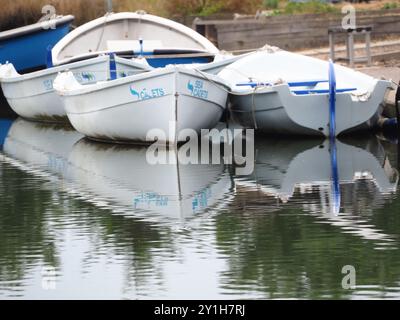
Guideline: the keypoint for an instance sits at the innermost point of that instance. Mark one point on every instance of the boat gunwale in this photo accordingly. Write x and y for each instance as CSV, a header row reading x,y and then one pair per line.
x,y
284,86
173,69
135,16
141,101
55,69
35,28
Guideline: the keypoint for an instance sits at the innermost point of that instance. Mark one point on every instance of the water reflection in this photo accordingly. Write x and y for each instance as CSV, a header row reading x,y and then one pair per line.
x,y
123,176
5,125
40,148
113,226
115,176
341,182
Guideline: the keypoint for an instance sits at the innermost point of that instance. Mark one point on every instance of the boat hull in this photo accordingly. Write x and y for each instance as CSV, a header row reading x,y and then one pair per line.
x,y
279,111
162,102
32,96
275,98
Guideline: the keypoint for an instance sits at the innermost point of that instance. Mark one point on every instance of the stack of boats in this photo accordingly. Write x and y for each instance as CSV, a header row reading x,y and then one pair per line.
x,y
120,76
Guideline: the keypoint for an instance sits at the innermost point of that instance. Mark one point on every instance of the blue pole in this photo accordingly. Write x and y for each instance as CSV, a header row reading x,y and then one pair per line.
x,y
113,67
332,100
141,46
332,141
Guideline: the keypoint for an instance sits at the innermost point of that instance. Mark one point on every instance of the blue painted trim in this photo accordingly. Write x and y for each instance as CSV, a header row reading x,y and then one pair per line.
x,y
332,100
49,58
113,67
305,83
309,83
308,91
162,62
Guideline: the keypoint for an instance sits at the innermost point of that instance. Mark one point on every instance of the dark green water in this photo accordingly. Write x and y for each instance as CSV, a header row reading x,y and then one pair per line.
x,y
85,220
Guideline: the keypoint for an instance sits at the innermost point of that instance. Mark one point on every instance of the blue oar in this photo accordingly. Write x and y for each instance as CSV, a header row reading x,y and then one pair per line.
x,y
305,83
308,91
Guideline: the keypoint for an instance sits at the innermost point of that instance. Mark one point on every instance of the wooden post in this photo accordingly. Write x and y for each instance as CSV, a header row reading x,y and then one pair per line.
x,y
109,4
368,46
351,48
332,46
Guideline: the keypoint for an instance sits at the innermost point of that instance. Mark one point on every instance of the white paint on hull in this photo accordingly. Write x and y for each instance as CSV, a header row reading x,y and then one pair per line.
x,y
277,109
127,109
32,95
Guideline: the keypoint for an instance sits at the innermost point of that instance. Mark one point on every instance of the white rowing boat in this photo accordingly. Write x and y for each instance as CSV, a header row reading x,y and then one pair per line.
x,y
279,92
32,96
167,100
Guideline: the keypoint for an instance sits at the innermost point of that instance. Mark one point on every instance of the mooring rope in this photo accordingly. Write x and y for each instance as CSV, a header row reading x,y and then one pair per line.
x,y
253,107
102,30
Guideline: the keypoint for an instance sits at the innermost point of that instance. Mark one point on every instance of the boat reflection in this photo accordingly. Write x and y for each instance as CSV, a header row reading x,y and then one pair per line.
x,y
123,176
118,177
40,147
339,182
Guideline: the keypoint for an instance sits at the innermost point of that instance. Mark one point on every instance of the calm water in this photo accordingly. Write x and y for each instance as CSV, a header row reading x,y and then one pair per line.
x,y
80,219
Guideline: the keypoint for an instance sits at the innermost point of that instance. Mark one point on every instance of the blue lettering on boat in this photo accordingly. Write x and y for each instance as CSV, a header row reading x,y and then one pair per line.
x,y
57,164
148,198
85,77
146,94
197,89
200,200
48,84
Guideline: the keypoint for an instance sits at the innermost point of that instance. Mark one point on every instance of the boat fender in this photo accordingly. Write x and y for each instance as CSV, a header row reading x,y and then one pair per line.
x,y
387,124
8,71
66,81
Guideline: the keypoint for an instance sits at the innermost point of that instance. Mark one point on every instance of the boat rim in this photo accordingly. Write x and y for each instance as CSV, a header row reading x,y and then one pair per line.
x,y
56,69
111,17
91,88
32,28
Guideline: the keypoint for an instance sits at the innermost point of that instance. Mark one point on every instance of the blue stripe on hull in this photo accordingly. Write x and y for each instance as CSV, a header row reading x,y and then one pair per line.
x,y
30,51
162,62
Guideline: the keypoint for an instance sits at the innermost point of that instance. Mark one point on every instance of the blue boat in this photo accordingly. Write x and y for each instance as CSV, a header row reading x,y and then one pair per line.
x,y
27,47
